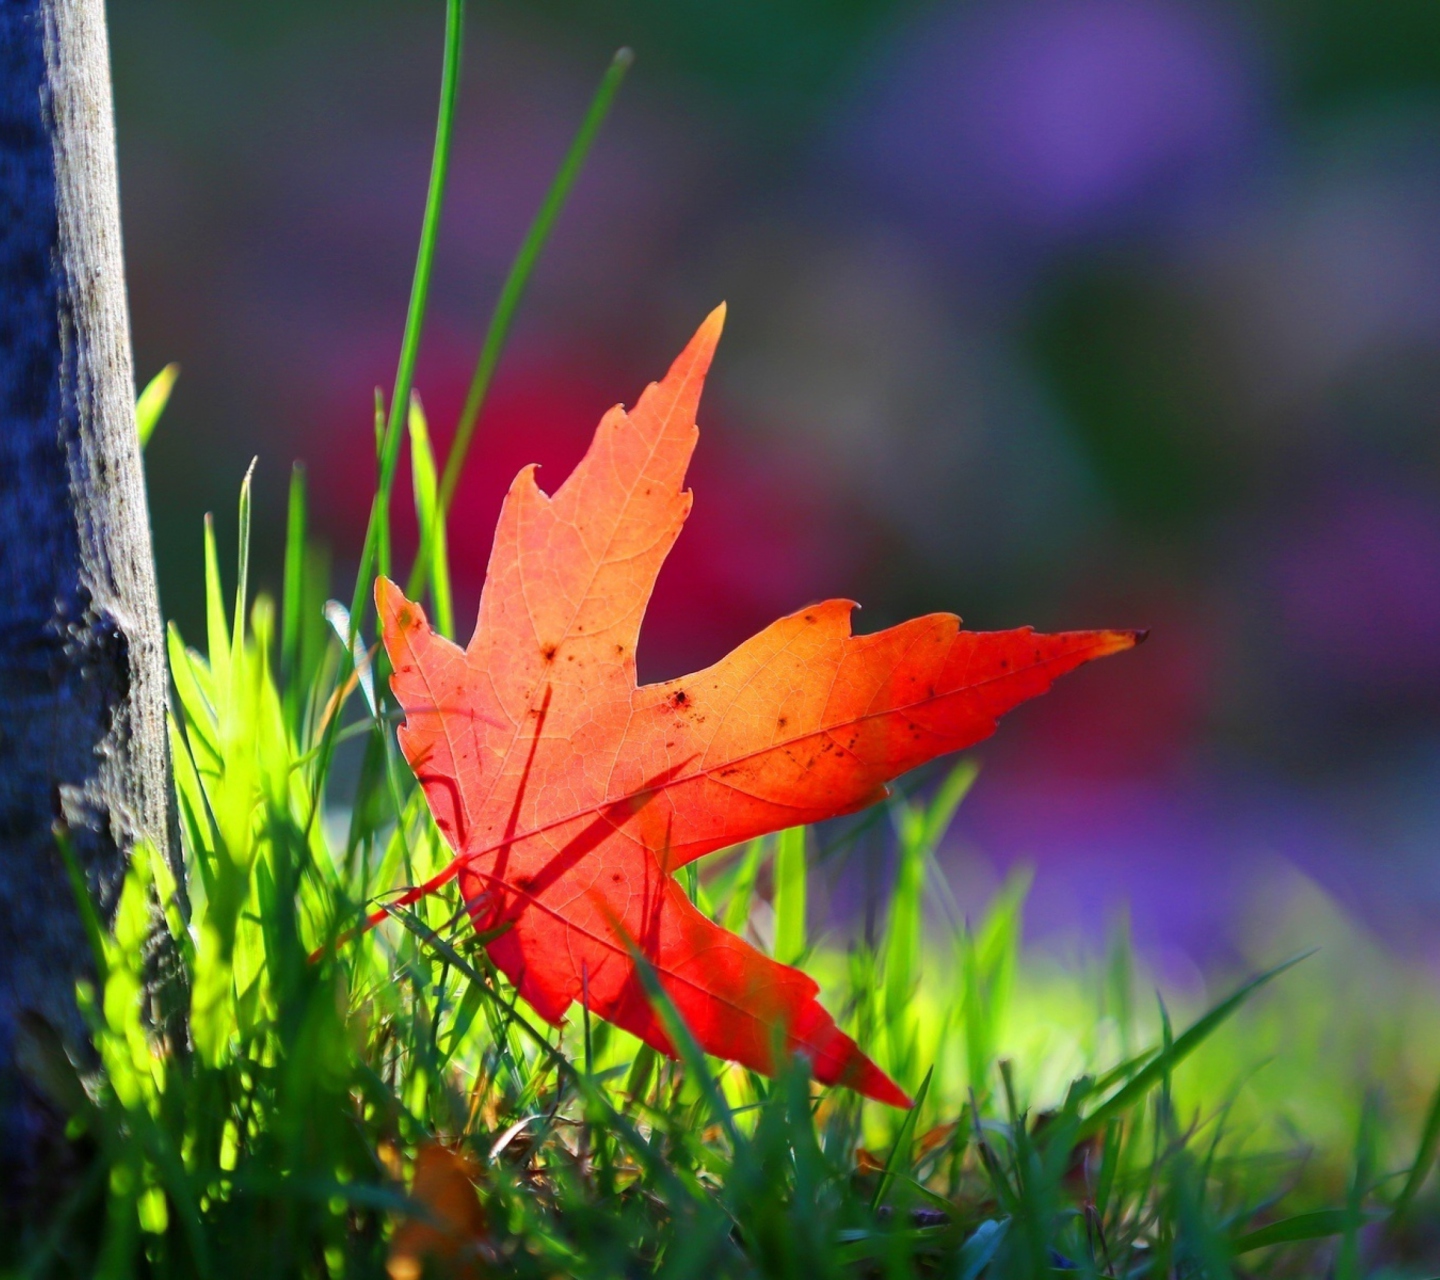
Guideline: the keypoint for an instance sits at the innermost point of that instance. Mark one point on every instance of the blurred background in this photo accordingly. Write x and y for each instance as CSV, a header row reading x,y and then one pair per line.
x,y
1064,312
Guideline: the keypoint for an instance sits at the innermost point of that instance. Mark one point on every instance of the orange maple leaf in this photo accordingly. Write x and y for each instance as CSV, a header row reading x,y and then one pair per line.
x,y
571,794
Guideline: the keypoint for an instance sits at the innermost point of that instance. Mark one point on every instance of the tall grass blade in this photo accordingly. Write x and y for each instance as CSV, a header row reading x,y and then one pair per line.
x,y
294,588
904,925
919,829
988,959
1424,1157
790,891
377,533
1317,1225
1119,983
513,290
217,629
1347,1261
242,579
84,903
737,910
980,1249
899,1156
429,519
941,811
377,528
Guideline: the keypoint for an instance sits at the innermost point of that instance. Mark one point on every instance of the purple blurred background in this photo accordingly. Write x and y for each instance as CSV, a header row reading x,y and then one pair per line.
x,y
1070,312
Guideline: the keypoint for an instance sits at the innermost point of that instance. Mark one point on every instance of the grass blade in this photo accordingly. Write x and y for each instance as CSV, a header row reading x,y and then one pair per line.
x,y
1184,1044
377,528
152,401
1347,1261
941,812
737,910
978,1251
419,301
790,895
513,290
242,580
1318,1225
902,1143
520,270
905,925
84,903
294,590
217,629
429,518
1424,1156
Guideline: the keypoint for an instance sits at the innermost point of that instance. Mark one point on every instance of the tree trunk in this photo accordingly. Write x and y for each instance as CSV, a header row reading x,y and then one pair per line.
x,y
82,668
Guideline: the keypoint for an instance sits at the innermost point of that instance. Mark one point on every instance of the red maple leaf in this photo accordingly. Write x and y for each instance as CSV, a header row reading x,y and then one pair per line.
x,y
571,794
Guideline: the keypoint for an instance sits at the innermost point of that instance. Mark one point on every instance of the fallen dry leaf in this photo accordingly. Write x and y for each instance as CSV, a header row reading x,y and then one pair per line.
x,y
571,794
447,1239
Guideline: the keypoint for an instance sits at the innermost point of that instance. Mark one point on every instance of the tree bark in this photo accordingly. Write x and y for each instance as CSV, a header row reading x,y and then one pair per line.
x,y
82,668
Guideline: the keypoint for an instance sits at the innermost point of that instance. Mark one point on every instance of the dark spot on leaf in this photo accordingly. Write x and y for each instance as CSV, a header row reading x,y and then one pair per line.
x,y
548,653
679,698
782,722
406,617
615,877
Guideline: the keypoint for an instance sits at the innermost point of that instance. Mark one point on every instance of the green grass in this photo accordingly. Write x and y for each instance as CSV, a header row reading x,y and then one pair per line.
x,y
1059,1116
1056,1121
263,1113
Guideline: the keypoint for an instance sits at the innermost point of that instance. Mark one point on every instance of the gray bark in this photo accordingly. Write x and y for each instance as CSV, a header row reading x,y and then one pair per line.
x,y
82,674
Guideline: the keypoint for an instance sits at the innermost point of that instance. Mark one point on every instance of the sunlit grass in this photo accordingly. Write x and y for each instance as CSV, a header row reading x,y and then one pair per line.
x,y
1066,1115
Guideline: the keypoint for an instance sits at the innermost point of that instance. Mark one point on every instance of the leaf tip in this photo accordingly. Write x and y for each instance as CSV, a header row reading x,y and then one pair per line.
x,y
707,336
394,608
1118,641
863,1076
